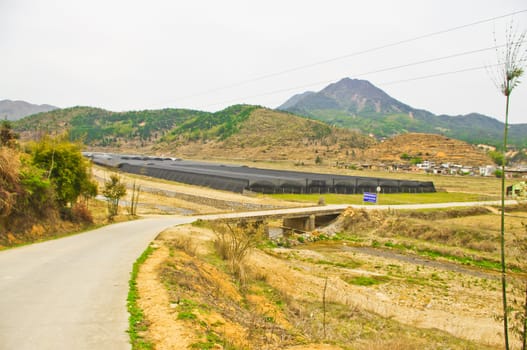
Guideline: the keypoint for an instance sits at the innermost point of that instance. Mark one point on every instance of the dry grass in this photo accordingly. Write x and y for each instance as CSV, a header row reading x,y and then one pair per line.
x,y
9,180
234,242
471,233
280,304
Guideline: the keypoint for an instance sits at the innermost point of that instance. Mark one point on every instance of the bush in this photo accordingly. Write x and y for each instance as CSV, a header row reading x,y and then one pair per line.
x,y
81,214
233,243
64,166
9,180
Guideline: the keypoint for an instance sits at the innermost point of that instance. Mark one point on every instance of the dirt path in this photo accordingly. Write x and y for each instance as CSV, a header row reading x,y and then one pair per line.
x,y
416,260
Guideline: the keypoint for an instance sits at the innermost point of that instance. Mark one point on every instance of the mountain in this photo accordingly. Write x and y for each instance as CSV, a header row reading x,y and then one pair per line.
x,y
348,97
239,131
14,110
358,104
256,133
242,132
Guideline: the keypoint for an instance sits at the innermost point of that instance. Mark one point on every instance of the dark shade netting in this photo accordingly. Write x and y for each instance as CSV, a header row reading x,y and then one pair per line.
x,y
242,178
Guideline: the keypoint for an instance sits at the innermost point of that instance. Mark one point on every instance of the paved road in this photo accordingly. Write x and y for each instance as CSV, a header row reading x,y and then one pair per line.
x,y
71,293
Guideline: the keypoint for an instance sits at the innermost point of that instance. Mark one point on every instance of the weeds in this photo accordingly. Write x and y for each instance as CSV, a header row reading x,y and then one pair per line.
x,y
366,280
233,243
137,322
186,244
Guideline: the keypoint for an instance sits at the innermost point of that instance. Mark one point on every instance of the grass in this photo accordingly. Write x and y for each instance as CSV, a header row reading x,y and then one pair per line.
x,y
391,198
213,341
186,308
463,260
347,325
137,322
366,281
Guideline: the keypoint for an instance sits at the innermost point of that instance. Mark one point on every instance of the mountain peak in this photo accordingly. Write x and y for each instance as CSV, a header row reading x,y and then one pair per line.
x,y
348,88
14,110
360,105
351,96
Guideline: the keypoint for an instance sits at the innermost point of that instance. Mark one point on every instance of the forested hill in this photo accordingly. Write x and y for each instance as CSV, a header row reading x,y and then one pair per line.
x,y
99,127
239,131
256,133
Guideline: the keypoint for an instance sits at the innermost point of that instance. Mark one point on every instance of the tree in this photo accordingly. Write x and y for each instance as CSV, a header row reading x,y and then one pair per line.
x,y
134,199
497,157
114,190
26,196
7,136
511,64
65,166
89,190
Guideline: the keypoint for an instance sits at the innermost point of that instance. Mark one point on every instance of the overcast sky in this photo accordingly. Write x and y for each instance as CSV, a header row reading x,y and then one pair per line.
x,y
206,55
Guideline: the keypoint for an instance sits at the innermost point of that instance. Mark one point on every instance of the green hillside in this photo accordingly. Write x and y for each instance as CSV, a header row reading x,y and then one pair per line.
x,y
219,125
357,104
99,127
256,133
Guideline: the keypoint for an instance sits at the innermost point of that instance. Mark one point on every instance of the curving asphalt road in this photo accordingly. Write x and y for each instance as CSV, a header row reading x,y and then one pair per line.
x,y
71,293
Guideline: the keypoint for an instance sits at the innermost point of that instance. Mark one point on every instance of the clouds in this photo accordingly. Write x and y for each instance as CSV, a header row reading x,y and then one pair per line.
x,y
124,55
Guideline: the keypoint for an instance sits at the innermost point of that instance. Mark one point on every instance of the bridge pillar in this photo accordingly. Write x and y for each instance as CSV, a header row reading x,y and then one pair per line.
x,y
296,223
306,223
310,223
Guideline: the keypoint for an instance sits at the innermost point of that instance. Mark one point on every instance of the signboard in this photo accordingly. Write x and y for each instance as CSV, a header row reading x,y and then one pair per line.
x,y
370,197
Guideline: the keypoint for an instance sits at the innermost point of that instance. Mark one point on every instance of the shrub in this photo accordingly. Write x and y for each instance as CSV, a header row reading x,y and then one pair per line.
x,y
81,214
233,243
65,167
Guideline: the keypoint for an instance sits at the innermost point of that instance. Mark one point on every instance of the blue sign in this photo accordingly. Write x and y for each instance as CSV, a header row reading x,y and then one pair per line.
x,y
370,197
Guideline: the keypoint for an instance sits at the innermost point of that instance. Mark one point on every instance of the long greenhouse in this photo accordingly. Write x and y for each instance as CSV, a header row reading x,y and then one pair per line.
x,y
242,178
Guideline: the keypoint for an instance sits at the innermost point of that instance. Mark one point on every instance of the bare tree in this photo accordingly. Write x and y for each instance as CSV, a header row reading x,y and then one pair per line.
x,y
132,208
511,63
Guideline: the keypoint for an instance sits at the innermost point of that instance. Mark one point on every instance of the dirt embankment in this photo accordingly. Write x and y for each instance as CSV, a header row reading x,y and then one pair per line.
x,y
317,296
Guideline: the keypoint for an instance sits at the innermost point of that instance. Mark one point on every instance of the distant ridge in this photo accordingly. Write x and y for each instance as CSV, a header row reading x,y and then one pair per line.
x,y
358,104
238,131
15,110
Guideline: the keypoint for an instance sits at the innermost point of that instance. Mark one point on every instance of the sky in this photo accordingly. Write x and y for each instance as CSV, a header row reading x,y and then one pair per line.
x,y
206,55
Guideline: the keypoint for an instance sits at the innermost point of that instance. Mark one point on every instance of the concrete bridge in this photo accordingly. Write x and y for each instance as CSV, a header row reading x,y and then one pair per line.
x,y
308,218
301,219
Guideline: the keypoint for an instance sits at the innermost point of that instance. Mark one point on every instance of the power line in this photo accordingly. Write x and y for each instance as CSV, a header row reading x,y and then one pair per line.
x,y
439,74
446,73
354,54
464,53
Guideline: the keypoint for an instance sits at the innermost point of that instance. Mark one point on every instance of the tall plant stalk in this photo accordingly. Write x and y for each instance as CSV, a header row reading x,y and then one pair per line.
x,y
502,227
511,61
524,330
